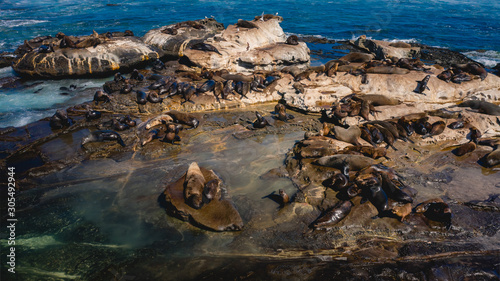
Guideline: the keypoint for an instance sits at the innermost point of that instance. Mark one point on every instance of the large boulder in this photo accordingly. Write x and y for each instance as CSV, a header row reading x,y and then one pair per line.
x,y
171,39
112,55
382,49
242,49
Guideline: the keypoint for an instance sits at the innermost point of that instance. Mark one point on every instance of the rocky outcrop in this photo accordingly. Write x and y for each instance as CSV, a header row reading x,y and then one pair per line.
x,y
218,215
112,55
243,49
383,49
172,39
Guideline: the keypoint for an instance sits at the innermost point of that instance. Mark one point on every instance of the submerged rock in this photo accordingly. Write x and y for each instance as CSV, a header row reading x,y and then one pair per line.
x,y
217,215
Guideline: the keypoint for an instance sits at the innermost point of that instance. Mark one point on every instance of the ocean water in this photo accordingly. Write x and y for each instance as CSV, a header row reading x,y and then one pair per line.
x,y
471,27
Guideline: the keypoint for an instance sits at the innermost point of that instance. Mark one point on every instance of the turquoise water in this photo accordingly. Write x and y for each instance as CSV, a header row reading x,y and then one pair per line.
x,y
471,27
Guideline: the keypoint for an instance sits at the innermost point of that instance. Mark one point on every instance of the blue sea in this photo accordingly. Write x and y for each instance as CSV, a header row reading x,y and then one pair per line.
x,y
470,27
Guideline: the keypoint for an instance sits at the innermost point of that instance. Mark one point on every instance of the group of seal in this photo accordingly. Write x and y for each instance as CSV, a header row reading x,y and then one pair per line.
x,y
459,73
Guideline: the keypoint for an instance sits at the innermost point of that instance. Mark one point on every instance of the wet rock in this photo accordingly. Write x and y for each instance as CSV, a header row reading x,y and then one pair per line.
x,y
216,215
115,54
171,40
6,59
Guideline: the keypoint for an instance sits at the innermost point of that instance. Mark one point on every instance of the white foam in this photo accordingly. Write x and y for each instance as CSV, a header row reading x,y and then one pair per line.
x,y
488,58
15,23
411,40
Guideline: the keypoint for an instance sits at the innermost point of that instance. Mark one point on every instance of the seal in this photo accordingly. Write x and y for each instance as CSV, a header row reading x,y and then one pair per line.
x,y
238,77
261,122
460,77
482,107
141,97
136,75
246,24
465,148
339,161
422,85
333,215
161,119
101,136
373,191
350,135
184,118
337,182
154,98
475,134
439,211
171,135
127,89
92,115
457,124
284,197
59,120
101,96
292,40
389,185
280,109
228,89
212,190
193,186
127,120
422,207
209,85
402,211
445,75
385,69
205,47
357,57
369,151
493,158
149,136
437,128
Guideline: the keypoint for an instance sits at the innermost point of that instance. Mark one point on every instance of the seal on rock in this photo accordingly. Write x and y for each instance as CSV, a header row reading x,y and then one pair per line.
x,y
101,136
193,186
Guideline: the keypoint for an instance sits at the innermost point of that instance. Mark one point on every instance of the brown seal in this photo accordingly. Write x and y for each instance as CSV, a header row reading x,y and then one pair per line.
x,y
334,215
465,148
101,136
350,135
284,197
184,118
385,69
437,128
400,44
212,190
292,40
493,158
161,119
402,211
357,57
193,186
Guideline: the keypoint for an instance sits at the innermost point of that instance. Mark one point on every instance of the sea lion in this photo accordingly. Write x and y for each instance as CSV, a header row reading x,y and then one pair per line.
x,y
334,215
66,42
373,191
280,110
457,124
118,77
400,44
367,136
218,88
357,57
205,47
60,120
377,100
446,75
169,31
482,107
421,126
369,151
154,98
92,115
184,118
209,85
127,88
422,85
390,187
475,134
136,75
402,211
193,186
212,190
127,120
102,135
439,211
376,136
261,122
188,94
493,158
101,96
228,89
149,136
350,135
141,97
437,128
339,161
472,68
246,24
161,119
171,134
337,182
388,137
158,65
422,207
88,42
385,69
284,197
238,77
465,148
292,40
460,77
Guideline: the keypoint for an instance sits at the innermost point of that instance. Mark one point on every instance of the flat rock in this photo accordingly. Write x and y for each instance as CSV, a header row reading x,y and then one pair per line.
x,y
216,215
115,54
